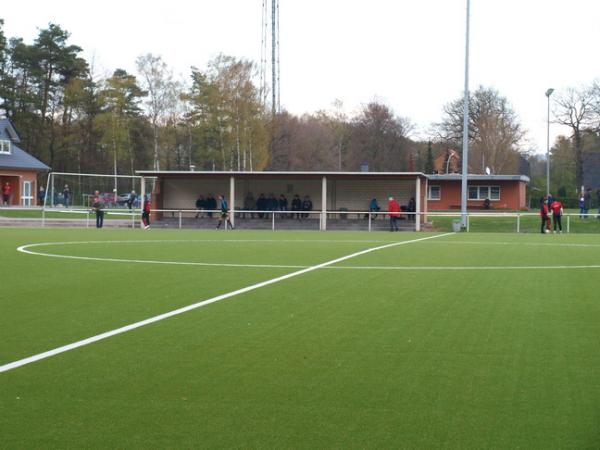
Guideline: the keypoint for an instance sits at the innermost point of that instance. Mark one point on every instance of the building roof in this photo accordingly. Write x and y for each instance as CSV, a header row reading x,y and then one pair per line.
x,y
275,174
477,177
18,158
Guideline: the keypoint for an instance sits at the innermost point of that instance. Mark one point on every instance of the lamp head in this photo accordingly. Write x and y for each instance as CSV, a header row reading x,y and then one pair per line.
x,y
549,92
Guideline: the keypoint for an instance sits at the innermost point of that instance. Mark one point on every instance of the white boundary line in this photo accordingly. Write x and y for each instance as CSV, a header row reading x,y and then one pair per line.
x,y
133,326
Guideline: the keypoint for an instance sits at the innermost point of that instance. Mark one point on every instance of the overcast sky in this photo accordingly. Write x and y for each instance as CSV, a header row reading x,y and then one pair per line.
x,y
408,54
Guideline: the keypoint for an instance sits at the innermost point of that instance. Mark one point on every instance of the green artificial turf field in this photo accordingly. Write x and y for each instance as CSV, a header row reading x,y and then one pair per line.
x,y
460,341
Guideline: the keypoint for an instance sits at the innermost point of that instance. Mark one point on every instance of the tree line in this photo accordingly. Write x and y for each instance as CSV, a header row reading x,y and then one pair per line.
x,y
77,121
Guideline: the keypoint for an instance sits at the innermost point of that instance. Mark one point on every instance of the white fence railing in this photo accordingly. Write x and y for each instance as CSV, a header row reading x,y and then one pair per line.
x,y
320,220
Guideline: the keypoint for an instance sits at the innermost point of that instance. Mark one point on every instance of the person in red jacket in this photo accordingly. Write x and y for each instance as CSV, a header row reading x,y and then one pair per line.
x,y
146,213
6,191
545,228
557,212
394,210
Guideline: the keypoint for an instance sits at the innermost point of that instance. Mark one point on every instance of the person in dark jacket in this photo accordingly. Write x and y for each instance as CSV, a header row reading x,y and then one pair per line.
x,y
211,205
98,208
146,212
224,207
545,225
296,206
283,204
306,206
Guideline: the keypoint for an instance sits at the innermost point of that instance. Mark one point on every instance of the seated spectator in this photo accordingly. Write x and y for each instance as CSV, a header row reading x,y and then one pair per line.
x,y
373,207
486,204
412,208
296,206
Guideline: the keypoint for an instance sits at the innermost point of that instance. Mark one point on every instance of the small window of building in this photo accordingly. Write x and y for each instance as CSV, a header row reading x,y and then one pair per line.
x,y
5,146
482,192
495,193
435,193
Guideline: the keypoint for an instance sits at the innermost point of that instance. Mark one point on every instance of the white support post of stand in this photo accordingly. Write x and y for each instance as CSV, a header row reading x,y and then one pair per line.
x,y
418,204
180,220
142,198
568,224
518,222
273,221
231,201
324,204
369,221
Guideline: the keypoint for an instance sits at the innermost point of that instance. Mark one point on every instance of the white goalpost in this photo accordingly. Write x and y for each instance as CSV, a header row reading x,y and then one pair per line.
x,y
73,194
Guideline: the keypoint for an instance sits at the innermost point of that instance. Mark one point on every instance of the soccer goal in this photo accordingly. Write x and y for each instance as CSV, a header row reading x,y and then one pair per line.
x,y
77,190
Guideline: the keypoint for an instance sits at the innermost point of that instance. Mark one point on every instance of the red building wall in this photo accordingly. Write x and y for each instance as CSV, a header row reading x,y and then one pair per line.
x,y
16,178
512,195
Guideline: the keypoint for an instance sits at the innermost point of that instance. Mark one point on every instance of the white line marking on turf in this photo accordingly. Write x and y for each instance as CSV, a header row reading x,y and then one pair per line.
x,y
133,326
25,249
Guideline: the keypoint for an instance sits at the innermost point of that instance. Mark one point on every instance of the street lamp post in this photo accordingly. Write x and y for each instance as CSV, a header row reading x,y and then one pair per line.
x,y
548,94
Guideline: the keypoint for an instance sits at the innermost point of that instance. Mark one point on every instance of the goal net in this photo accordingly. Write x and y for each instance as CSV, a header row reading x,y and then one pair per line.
x,y
76,191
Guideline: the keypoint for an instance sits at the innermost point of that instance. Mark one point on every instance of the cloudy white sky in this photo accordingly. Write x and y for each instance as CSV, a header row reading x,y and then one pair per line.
x,y
408,54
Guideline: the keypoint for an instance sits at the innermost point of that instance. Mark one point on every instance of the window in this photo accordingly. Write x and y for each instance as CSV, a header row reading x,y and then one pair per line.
x,y
5,146
435,193
483,192
27,197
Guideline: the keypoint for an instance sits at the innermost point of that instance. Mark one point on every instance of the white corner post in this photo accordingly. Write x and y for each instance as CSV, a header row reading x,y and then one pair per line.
x,y
418,204
142,198
231,201
324,204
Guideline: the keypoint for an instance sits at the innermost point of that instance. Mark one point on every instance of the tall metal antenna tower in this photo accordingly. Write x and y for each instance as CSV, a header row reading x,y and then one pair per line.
x,y
273,21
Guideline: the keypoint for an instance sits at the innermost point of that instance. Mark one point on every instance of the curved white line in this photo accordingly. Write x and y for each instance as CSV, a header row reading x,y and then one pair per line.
x,y
25,249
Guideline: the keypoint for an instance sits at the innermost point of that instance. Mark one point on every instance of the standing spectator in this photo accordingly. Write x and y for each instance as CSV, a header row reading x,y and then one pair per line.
x,y
261,205
6,192
272,203
545,225
249,204
307,206
131,200
557,211
582,210
394,210
200,205
211,205
283,204
296,205
146,212
588,201
550,200
66,196
224,213
98,208
412,208
41,196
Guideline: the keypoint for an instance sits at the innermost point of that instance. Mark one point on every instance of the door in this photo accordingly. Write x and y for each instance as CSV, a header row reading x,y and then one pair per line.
x,y
27,197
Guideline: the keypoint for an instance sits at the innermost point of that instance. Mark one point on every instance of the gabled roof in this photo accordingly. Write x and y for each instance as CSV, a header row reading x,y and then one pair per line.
x,y
7,131
18,158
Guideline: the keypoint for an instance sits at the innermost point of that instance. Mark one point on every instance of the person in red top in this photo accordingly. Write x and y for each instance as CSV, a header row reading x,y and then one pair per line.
x,y
6,191
394,210
146,213
557,212
544,215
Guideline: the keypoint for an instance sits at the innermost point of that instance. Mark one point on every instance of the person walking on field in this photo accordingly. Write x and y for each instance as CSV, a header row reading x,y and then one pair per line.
x,y
544,215
557,212
394,210
146,213
224,213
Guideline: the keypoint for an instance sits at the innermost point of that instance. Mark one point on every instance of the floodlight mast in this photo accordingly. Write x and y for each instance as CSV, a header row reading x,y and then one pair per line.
x,y
465,152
